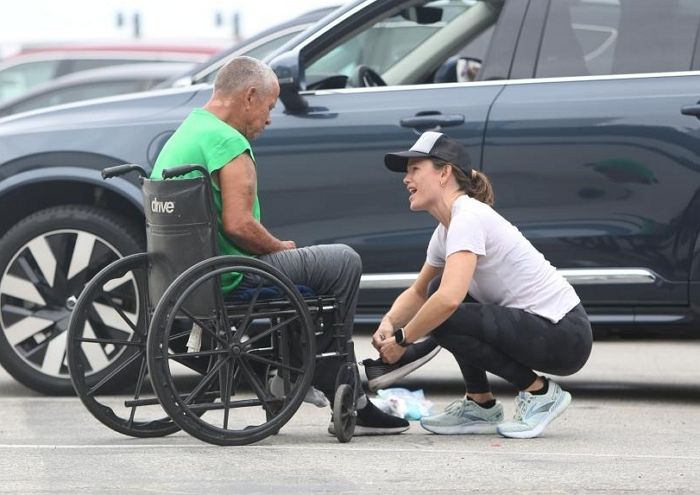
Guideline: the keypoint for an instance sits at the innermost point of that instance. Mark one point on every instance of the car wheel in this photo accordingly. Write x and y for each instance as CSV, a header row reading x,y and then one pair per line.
x,y
45,261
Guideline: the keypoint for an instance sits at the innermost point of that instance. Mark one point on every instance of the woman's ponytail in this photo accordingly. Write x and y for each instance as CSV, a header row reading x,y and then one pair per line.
x,y
478,186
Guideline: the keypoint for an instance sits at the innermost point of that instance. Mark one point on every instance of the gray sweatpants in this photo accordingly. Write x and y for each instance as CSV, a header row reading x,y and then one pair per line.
x,y
327,269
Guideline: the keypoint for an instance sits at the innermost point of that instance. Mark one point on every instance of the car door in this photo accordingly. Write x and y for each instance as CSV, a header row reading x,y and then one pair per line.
x,y
321,172
591,157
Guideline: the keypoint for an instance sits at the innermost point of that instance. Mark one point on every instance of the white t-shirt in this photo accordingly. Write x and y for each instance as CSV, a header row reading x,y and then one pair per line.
x,y
509,271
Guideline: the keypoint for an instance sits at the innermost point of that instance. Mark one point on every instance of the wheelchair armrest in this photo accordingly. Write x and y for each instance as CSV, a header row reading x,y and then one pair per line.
x,y
169,173
118,170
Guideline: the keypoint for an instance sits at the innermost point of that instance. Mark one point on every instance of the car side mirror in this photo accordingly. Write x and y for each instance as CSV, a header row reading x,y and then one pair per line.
x,y
290,74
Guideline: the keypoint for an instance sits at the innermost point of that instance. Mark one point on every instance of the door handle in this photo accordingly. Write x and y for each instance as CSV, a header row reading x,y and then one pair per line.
x,y
691,110
432,121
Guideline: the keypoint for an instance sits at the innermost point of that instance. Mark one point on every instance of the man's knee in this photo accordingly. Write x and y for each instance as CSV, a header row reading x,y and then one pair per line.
x,y
346,255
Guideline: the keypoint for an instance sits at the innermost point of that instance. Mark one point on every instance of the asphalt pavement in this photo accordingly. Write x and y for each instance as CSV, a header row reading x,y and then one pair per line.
x,y
632,427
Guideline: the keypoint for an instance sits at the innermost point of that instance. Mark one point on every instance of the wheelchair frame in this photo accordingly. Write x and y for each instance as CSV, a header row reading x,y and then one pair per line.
x,y
168,314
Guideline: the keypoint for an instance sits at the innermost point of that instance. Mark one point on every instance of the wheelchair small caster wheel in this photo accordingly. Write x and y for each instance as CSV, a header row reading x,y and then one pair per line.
x,y
344,414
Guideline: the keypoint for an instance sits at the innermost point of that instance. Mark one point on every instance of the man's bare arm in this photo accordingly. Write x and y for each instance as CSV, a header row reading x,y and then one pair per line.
x,y
237,180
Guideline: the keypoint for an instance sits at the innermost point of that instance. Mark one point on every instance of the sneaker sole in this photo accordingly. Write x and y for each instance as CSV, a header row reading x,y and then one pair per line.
x,y
472,429
394,376
366,431
555,412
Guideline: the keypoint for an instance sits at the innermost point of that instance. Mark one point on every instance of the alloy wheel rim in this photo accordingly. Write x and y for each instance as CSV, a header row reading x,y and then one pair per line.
x,y
38,291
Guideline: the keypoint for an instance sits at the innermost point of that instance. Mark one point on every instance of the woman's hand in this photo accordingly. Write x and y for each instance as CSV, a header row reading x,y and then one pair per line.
x,y
383,332
390,351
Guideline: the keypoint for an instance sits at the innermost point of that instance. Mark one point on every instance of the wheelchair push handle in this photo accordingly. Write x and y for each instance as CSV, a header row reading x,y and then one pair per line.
x,y
118,170
169,173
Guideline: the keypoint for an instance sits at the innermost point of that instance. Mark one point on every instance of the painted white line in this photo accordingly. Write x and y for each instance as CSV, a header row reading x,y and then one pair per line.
x,y
340,448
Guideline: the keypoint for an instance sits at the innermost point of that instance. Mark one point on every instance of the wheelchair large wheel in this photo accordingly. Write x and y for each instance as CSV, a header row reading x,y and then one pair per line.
x,y
107,350
265,327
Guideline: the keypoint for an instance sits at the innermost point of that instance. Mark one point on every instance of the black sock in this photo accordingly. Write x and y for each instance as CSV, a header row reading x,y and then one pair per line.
x,y
544,389
486,405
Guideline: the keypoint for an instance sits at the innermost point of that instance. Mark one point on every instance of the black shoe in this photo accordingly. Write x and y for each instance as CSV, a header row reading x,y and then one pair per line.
x,y
372,421
381,375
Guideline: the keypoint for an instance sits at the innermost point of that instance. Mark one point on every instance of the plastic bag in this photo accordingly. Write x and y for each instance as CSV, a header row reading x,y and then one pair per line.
x,y
404,403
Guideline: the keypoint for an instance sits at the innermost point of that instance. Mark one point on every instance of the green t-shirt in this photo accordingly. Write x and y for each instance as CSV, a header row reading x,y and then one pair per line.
x,y
204,139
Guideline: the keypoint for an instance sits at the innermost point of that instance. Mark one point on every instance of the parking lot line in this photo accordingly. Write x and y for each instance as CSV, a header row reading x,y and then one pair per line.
x,y
355,449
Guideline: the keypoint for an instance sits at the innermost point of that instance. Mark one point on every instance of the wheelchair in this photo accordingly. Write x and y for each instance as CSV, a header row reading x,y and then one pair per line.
x,y
228,369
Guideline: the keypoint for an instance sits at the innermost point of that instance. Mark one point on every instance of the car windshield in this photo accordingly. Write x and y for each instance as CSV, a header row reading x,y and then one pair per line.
x,y
258,51
388,41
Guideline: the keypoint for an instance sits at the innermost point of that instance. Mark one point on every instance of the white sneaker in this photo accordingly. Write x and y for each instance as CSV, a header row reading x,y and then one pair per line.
x,y
464,416
534,412
313,395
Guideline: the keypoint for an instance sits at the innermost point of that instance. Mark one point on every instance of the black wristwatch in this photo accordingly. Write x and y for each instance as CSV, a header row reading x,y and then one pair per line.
x,y
400,337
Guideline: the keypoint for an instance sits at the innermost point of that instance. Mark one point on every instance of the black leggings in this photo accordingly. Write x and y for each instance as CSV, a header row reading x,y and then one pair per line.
x,y
510,343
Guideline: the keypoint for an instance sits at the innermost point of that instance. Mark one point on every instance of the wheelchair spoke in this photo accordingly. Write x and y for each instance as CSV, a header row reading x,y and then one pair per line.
x,y
137,392
249,311
261,359
194,394
176,336
257,386
203,326
120,312
236,377
227,395
115,372
271,330
105,299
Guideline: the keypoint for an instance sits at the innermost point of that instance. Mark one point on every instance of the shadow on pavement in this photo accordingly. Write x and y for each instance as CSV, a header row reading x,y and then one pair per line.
x,y
608,390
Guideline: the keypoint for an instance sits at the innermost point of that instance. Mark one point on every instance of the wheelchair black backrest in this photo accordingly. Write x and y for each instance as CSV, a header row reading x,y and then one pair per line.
x,y
181,230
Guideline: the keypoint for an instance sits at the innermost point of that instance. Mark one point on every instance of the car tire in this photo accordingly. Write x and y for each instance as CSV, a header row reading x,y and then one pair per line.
x,y
45,261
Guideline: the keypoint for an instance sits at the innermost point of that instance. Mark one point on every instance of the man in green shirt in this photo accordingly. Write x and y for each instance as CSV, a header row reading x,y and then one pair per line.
x,y
217,137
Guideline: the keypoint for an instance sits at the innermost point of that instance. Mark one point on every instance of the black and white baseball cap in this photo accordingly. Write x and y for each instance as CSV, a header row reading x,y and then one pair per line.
x,y
431,144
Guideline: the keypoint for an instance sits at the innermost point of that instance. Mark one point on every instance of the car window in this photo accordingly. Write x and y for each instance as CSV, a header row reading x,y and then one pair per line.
x,y
259,52
77,93
390,42
600,37
264,49
19,78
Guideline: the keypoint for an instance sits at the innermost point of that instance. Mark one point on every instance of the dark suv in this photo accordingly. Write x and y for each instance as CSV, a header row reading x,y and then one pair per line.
x,y
582,112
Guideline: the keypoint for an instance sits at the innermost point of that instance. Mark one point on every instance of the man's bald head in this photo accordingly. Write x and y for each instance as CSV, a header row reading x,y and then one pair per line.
x,y
242,73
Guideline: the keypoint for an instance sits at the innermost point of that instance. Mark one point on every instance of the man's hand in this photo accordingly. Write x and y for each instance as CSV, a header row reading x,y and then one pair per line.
x,y
383,332
390,351
288,245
